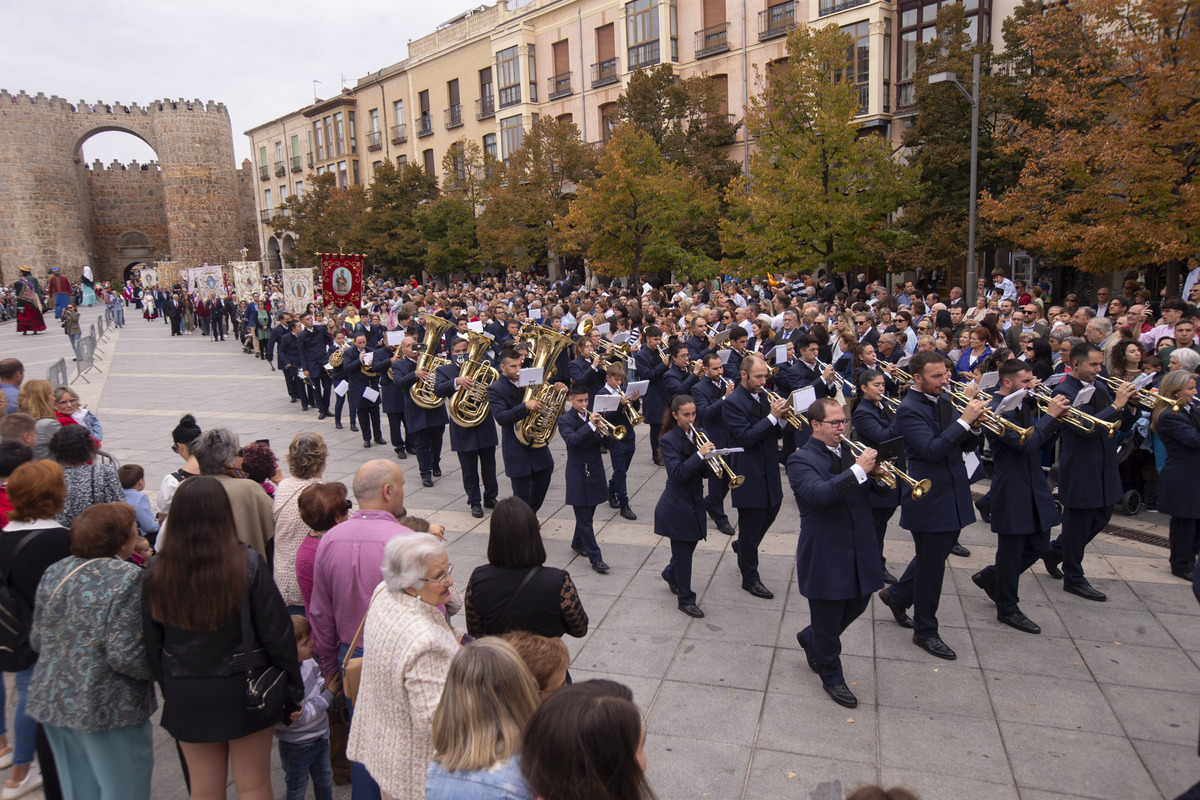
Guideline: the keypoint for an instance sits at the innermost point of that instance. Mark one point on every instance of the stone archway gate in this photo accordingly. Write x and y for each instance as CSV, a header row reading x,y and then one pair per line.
x,y
44,196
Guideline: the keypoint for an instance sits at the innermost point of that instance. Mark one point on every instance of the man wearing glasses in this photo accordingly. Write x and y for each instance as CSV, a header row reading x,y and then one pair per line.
x,y
864,330
1028,322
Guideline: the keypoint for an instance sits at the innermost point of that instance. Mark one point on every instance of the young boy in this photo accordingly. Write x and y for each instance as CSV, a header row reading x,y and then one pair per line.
x,y
133,481
304,744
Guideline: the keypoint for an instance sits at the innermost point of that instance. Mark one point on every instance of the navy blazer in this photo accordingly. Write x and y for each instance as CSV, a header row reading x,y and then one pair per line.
x,y
507,403
582,372
585,479
463,440
392,400
697,346
416,417
650,367
935,453
1021,500
314,347
618,417
677,381
374,334
748,425
732,368
1087,466
800,376
679,514
710,418
837,555
289,351
871,337
872,427
273,340
352,366
782,337
1180,435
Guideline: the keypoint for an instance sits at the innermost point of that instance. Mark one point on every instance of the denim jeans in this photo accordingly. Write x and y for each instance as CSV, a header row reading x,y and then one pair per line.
x,y
24,726
302,759
362,785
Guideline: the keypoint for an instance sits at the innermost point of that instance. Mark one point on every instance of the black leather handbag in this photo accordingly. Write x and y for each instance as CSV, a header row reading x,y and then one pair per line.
x,y
266,685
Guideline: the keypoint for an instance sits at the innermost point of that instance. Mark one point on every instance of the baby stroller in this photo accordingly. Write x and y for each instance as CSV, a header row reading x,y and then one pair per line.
x,y
1135,463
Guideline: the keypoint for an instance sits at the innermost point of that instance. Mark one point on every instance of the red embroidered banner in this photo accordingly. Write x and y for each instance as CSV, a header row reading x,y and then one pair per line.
x,y
341,279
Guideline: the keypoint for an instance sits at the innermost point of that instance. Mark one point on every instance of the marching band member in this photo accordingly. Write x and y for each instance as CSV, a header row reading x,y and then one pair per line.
x,y
586,486
337,375
737,351
621,450
426,426
475,446
874,424
588,366
314,349
528,468
651,367
677,515
354,362
679,378
709,396
392,400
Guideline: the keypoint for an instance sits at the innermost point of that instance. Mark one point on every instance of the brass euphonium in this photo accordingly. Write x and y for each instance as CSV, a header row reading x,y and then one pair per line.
x,y
469,407
718,464
428,360
537,429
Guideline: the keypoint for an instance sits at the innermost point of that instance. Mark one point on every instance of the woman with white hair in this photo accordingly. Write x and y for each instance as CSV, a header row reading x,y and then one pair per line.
x,y
408,647
219,454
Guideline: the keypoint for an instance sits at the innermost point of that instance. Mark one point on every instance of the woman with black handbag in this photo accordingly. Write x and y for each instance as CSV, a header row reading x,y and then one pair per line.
x,y
207,602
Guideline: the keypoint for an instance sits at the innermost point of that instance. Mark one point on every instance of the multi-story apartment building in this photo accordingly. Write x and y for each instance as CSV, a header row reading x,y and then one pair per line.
x,y
489,73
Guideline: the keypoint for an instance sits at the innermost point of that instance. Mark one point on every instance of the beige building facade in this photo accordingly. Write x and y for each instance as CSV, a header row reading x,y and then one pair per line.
x,y
489,73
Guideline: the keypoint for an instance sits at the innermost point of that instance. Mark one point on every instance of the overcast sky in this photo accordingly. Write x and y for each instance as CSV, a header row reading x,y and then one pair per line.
x,y
258,57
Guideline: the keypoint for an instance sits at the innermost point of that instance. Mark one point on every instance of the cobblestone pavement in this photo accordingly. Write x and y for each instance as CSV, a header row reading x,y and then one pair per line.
x,y
1103,704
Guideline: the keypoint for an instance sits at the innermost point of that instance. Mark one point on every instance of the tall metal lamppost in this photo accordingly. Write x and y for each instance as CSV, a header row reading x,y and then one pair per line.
x,y
973,99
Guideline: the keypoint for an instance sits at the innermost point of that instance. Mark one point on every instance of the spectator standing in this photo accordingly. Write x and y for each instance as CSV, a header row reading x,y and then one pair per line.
x,y
182,438
88,484
133,484
70,326
306,459
12,372
217,453
37,400
322,506
304,739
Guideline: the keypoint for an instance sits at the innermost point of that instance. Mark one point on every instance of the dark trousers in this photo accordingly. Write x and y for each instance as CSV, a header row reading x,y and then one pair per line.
x,y
921,584
296,388
532,488
829,620
474,462
655,427
1079,527
177,326
714,501
679,570
881,517
584,539
203,325
368,416
319,391
752,526
337,409
395,421
621,455
1185,543
787,445
1014,555
218,330
428,442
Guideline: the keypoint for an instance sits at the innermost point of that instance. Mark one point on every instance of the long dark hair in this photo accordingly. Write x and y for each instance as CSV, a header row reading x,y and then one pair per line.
x,y
196,581
515,537
677,402
582,744
863,377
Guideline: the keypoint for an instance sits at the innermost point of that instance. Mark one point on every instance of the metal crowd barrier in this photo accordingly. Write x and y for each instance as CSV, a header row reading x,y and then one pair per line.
x,y
87,356
57,373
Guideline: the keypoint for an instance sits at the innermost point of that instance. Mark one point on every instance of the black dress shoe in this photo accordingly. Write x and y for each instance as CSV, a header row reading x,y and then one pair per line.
x,y
367,444
627,513
489,502
1085,591
757,589
989,587
426,481
337,425
1186,574
603,451
959,550
322,414
294,400
841,694
477,512
934,646
888,577
726,528
437,472
612,501
379,440
985,512
671,584
808,653
899,614
353,427
1019,621
401,453
1051,562
692,610
600,566
658,462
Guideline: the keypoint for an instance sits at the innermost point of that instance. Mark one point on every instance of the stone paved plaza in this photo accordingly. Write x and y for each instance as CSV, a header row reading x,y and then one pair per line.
x,y
1103,704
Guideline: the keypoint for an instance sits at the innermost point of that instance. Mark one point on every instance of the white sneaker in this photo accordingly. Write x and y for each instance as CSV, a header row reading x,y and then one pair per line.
x,y
33,781
6,758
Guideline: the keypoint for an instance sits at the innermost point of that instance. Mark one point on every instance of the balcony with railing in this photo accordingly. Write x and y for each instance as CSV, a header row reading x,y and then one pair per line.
x,y
644,55
399,136
297,166
280,216
776,21
510,95
906,97
264,172
712,40
864,97
266,214
887,97
485,107
424,126
311,160
559,86
605,72
374,140
454,117
280,169
827,7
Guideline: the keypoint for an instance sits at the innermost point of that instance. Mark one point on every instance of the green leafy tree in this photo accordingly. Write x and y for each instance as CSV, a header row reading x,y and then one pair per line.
x,y
516,229
389,232
819,192
628,220
325,220
448,224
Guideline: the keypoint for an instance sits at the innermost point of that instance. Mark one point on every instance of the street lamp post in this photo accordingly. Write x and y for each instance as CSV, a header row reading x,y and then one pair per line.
x,y
973,99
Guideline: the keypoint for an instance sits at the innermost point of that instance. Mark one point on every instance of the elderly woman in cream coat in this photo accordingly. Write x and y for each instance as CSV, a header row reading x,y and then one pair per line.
x,y
407,646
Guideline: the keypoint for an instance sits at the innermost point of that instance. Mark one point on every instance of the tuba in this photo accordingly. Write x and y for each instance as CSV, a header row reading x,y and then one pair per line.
x,y
536,430
429,360
469,407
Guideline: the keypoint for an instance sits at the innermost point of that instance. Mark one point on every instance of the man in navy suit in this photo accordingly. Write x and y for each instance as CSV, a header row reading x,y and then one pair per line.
x,y
865,329
426,425
801,375
314,346
698,343
936,439
737,351
586,484
371,329
710,394
754,423
838,564
528,468
393,400
355,360
475,446
1088,483
790,331
289,362
1023,510
651,367
622,450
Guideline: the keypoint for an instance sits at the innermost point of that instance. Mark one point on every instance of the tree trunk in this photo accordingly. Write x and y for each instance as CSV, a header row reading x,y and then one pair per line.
x,y
1172,284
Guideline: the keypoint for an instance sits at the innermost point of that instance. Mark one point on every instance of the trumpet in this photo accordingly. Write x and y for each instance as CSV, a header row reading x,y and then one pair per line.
x,y
797,421
613,352
718,464
608,429
633,416
890,473
844,382
712,332
989,419
1080,419
1145,398
894,371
